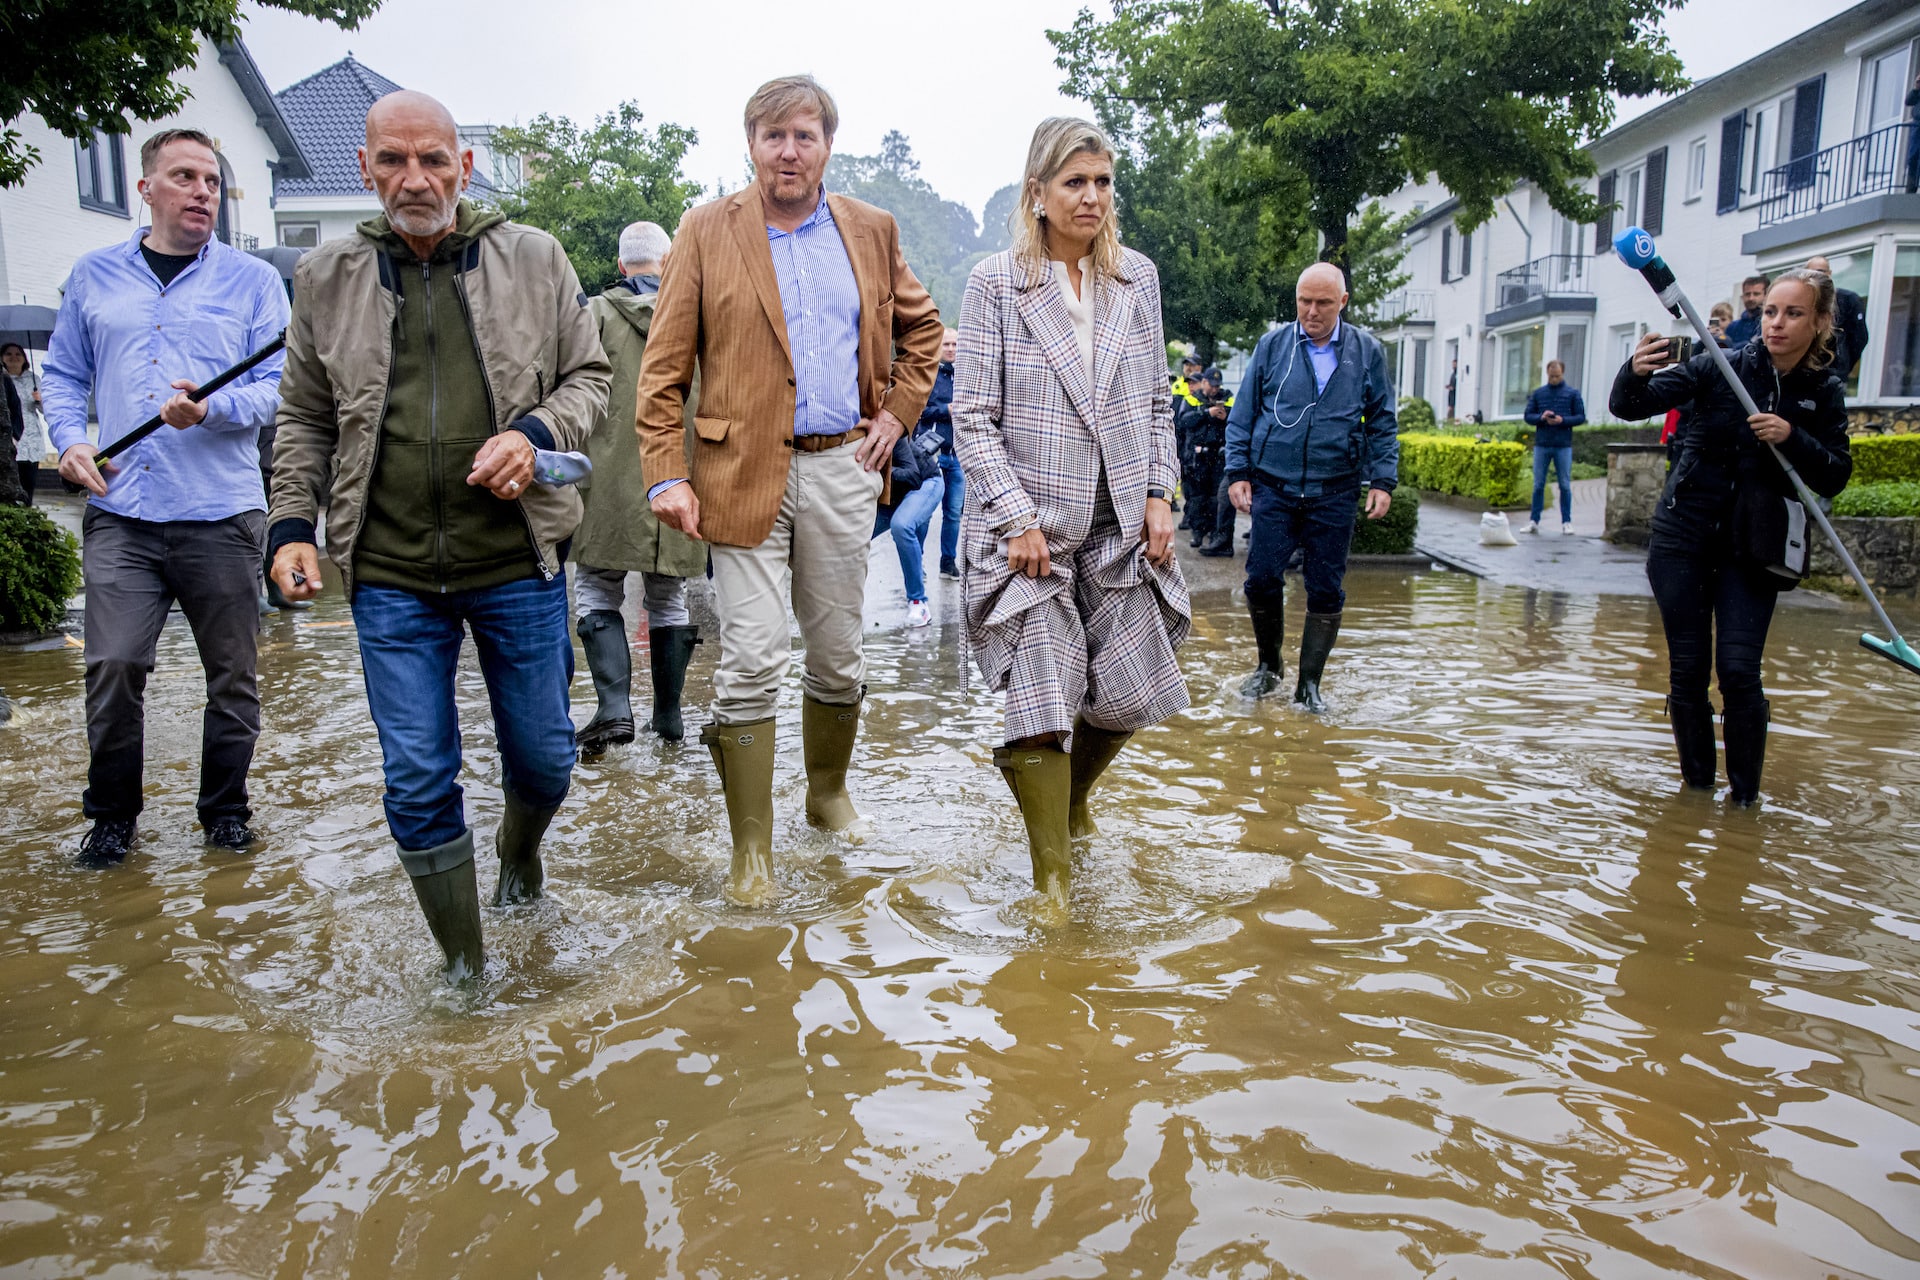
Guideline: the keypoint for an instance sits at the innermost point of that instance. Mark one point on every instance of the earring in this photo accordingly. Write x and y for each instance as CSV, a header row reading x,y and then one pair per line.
x,y
1040,212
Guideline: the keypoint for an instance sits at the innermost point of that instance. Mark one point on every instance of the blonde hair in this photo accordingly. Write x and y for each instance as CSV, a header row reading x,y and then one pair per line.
x,y
1721,311
1821,353
778,101
1058,140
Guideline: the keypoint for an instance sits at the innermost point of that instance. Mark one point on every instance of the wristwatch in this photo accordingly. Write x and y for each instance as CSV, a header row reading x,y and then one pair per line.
x,y
1157,493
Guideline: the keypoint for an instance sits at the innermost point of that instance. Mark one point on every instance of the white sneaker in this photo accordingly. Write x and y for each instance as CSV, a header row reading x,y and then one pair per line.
x,y
1533,526
1566,531
918,614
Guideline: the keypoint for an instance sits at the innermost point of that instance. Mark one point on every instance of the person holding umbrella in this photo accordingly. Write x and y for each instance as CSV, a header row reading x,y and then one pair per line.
x,y
182,517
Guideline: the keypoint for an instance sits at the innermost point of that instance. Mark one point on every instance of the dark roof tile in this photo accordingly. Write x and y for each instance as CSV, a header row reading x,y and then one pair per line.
x,y
327,113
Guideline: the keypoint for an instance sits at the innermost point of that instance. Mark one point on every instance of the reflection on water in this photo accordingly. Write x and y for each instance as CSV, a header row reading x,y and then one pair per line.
x,y
1449,984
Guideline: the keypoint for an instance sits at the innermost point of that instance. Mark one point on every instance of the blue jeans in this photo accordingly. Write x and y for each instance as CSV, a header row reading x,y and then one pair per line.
x,y
1562,460
410,651
1320,526
909,519
951,506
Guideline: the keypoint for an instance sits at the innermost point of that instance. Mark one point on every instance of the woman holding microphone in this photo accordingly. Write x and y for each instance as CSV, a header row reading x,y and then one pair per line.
x,y
1716,598
1064,428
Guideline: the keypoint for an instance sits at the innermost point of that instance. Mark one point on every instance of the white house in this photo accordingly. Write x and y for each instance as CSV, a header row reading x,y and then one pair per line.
x,y
1798,151
327,112
81,195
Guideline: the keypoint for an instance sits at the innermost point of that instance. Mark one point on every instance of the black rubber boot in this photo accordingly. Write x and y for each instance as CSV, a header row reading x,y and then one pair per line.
x,y
604,636
669,650
518,844
1316,642
1693,738
1093,750
443,880
1269,630
1746,729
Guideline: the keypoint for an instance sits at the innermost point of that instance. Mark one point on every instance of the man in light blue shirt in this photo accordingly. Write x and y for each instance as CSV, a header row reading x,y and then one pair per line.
x,y
182,515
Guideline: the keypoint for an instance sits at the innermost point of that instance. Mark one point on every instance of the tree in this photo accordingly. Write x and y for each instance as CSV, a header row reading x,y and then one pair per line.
x,y
82,65
938,237
1353,98
996,220
585,185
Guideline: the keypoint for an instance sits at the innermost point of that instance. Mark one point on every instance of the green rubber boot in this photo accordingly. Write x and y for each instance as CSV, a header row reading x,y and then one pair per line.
x,y
743,756
1093,750
444,881
518,844
827,736
1042,782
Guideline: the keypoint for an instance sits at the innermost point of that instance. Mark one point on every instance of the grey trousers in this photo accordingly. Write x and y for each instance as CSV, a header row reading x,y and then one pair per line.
x,y
663,596
135,570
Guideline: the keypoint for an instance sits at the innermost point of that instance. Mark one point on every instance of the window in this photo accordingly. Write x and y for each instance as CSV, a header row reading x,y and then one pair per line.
x,y
1696,169
1521,362
1417,380
300,235
1854,271
102,165
1900,375
1629,197
1622,339
1883,88
1570,349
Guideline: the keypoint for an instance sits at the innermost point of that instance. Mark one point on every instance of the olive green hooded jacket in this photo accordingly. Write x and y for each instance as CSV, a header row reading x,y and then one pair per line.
x,y
540,357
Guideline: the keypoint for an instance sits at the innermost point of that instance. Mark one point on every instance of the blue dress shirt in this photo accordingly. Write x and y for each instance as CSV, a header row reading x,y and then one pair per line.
x,y
821,304
123,337
1324,359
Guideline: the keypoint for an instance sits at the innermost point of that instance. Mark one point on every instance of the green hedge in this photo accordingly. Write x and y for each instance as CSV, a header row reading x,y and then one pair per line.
x,y
1893,498
1416,415
1499,471
1885,459
39,570
1590,442
1392,534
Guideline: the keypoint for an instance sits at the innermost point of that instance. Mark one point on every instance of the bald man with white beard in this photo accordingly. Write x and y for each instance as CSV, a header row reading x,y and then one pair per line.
x,y
1312,426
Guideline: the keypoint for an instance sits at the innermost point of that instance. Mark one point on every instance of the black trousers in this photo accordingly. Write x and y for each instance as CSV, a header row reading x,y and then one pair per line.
x,y
1715,613
1202,518
29,472
135,570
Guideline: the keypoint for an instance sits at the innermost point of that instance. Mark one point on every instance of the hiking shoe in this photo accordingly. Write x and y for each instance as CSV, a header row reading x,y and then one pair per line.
x,y
230,833
918,614
107,845
949,568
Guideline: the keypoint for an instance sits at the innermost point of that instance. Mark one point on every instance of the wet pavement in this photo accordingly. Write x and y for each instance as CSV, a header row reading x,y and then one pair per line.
x,y
1449,982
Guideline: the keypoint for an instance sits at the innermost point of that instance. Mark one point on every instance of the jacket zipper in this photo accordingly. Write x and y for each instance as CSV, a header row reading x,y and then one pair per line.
x,y
493,413
380,419
435,491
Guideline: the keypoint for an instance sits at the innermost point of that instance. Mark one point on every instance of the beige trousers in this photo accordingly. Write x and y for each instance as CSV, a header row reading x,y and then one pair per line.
x,y
818,546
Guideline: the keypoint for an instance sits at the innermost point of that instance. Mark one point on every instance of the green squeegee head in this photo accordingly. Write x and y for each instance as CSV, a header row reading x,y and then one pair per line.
x,y
1894,650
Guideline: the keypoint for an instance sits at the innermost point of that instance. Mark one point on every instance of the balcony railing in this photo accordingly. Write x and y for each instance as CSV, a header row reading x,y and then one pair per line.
x,y
1409,306
1554,274
1871,164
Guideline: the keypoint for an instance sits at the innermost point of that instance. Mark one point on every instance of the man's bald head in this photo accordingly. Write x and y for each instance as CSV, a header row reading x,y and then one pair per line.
x,y
1318,298
415,111
414,159
1820,264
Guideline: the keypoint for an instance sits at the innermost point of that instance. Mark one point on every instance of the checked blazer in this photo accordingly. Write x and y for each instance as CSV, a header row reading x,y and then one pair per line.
x,y
1035,433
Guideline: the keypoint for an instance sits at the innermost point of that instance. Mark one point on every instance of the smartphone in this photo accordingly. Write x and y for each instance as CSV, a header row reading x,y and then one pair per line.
x,y
1680,348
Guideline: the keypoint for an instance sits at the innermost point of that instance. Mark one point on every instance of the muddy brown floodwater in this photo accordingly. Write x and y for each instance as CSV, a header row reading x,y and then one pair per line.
x,y
1451,983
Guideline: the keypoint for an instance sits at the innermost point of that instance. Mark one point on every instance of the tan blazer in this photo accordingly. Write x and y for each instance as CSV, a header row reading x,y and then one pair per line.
x,y
719,309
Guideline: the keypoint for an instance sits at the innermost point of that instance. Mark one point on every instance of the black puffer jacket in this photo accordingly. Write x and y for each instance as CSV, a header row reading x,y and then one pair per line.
x,y
1718,451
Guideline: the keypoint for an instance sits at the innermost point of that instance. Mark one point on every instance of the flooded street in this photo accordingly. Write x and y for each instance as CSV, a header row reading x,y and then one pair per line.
x,y
1449,984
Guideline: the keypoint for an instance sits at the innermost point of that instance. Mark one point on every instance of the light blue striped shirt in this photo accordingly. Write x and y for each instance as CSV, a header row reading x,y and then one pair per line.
x,y
821,304
122,337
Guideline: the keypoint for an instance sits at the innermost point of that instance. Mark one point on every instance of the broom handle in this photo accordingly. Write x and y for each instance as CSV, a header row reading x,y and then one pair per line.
x,y
197,395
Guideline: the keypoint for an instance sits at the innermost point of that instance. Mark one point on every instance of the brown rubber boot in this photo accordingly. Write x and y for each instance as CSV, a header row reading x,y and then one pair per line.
x,y
743,756
827,734
1093,750
1042,781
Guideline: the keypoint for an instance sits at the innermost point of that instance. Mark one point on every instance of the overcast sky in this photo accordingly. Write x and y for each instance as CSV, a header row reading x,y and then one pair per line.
x,y
966,82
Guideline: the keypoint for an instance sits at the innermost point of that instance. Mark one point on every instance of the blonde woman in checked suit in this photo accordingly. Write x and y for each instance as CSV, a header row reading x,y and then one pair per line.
x,y
1065,431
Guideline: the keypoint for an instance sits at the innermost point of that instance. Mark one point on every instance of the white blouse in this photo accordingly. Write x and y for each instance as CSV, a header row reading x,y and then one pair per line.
x,y
1079,307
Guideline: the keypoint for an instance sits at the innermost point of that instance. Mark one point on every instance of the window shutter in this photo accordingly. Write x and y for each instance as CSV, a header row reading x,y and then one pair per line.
x,y
1466,254
1603,227
1806,131
1733,138
1654,196
1446,254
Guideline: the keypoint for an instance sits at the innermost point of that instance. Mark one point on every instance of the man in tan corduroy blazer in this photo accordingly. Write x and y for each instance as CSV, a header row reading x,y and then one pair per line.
x,y
814,344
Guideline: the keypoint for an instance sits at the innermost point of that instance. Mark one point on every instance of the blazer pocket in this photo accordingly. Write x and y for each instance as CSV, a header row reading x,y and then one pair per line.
x,y
712,430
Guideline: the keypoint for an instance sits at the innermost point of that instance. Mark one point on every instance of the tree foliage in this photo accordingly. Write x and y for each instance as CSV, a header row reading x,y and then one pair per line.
x,y
585,184
82,65
939,237
1350,99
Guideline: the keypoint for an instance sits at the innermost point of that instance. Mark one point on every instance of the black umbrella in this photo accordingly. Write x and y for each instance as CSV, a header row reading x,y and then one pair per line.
x,y
31,327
